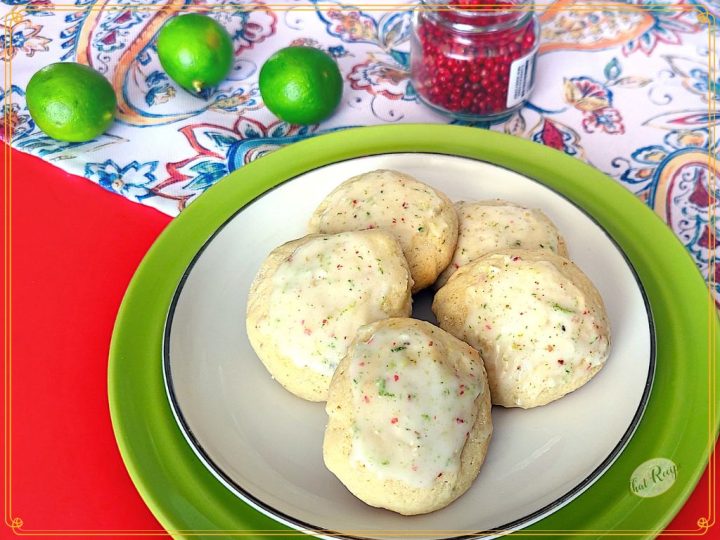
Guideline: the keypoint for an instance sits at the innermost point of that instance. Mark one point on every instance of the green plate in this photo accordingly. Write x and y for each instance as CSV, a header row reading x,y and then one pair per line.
x,y
679,423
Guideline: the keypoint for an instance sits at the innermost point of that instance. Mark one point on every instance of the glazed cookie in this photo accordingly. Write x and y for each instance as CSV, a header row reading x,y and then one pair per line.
x,y
486,226
312,294
420,217
537,320
409,417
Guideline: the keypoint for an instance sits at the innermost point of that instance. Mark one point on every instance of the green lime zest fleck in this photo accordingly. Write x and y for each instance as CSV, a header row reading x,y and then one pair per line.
x,y
382,389
558,307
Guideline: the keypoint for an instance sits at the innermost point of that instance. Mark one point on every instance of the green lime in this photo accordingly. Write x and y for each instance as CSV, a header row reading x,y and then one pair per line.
x,y
301,85
195,51
70,102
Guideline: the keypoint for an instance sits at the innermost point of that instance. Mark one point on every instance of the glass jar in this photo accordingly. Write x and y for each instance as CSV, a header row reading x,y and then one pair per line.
x,y
474,59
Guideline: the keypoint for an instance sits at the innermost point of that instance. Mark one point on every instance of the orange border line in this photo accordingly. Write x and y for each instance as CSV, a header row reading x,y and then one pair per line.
x,y
16,524
7,281
588,7
6,288
712,263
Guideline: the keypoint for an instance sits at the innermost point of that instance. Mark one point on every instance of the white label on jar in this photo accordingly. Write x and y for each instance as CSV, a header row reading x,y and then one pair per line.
x,y
522,75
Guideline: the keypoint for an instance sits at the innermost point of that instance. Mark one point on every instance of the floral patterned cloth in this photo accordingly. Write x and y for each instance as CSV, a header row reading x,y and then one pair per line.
x,y
624,86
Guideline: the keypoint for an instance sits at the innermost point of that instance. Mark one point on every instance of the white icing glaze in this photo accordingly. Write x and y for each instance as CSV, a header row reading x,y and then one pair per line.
x,y
325,291
413,410
534,328
384,199
486,227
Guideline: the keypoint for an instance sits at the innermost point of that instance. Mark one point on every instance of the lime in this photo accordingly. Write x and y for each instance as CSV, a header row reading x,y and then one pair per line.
x,y
70,102
195,51
301,85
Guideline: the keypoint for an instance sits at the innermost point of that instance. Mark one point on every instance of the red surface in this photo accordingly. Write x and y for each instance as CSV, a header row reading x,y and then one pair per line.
x,y
75,247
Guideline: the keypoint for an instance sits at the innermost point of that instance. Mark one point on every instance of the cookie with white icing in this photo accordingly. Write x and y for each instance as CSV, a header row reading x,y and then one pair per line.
x,y
536,318
409,417
312,294
486,226
419,216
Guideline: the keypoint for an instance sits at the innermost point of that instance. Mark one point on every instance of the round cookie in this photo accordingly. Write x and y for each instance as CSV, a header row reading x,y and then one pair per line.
x,y
486,226
537,320
312,294
420,217
409,417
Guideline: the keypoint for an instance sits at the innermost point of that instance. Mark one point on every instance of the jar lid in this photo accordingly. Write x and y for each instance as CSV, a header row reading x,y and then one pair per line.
x,y
478,15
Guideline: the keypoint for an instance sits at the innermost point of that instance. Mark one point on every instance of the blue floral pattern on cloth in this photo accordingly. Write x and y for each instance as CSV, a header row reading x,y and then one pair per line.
x,y
134,180
625,86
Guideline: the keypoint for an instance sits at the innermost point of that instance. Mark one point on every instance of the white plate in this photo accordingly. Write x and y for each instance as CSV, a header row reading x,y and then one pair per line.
x,y
265,444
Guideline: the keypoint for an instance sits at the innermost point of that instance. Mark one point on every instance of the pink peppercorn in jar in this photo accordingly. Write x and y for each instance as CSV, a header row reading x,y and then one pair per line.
x,y
474,59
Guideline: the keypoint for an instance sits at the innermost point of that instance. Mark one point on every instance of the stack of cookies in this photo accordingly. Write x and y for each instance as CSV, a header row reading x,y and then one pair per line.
x,y
409,403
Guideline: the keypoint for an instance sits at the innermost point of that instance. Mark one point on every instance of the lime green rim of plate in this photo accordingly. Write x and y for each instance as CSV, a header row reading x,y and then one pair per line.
x,y
679,422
